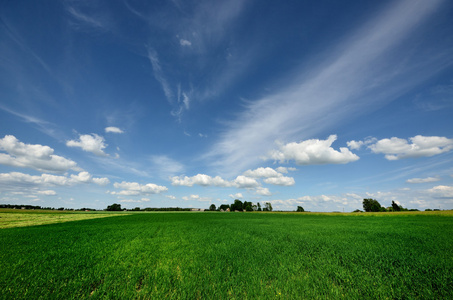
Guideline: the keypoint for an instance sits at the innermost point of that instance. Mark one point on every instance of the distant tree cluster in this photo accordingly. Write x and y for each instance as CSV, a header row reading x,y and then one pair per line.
x,y
238,205
114,207
117,207
372,205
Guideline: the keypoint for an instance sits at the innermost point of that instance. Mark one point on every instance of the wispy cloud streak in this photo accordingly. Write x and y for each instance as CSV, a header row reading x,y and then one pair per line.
x,y
353,78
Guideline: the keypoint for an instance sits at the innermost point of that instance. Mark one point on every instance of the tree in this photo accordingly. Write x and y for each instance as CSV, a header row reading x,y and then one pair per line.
x,y
371,205
114,207
259,206
267,206
237,205
300,209
212,207
395,206
224,206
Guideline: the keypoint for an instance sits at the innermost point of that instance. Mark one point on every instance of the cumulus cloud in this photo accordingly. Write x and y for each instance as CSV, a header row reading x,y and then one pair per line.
x,y
184,42
35,156
262,173
101,181
236,196
200,179
17,178
90,143
113,130
284,169
206,180
355,145
245,182
443,191
271,176
282,180
135,200
196,198
263,191
417,146
423,180
313,152
47,193
134,189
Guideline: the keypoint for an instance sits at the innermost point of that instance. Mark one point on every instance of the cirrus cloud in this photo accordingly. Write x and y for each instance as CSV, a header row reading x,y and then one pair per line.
x,y
113,130
423,180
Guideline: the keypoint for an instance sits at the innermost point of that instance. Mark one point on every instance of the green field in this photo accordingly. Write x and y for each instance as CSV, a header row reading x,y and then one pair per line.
x,y
232,256
21,218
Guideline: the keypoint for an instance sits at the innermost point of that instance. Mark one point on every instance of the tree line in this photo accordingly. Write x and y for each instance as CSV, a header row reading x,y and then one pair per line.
x,y
238,205
372,205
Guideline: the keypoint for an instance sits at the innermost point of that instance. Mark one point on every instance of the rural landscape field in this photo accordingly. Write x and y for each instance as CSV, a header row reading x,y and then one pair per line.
x,y
206,255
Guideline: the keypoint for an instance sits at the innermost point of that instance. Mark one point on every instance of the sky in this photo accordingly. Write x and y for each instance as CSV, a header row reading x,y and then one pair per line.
x,y
318,104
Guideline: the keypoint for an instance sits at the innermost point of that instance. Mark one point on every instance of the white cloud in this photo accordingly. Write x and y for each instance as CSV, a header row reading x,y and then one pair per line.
x,y
443,191
354,76
313,152
47,192
282,180
200,179
113,130
135,200
423,180
245,182
184,42
134,188
170,197
82,177
17,178
271,176
262,173
191,197
197,198
420,146
263,191
35,156
90,143
206,180
285,170
101,181
158,74
355,145
186,100
236,196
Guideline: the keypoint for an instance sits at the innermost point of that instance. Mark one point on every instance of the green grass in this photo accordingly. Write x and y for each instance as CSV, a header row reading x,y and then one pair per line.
x,y
231,256
19,218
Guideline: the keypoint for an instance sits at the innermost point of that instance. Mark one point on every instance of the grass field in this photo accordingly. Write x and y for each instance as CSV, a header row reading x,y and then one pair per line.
x,y
232,256
21,218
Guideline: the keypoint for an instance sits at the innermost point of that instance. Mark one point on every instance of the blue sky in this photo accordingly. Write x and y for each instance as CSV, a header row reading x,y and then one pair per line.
x,y
188,103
